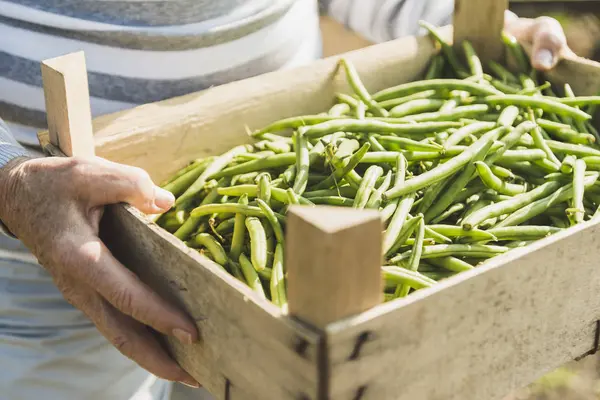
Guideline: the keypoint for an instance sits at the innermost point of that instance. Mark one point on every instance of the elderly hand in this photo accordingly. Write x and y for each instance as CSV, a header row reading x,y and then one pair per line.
x,y
54,205
545,35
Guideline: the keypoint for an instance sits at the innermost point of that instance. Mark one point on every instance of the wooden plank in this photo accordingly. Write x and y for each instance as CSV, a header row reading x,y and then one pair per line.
x,y
162,137
480,334
333,259
248,349
481,22
68,104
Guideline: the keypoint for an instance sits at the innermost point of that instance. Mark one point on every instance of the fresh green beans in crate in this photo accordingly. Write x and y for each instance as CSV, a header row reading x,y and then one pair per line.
x,y
330,151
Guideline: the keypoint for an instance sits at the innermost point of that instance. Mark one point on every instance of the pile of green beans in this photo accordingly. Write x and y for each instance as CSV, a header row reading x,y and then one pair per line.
x,y
463,165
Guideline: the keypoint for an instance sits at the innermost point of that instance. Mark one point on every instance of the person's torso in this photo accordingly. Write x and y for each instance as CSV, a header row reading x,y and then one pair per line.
x,y
144,51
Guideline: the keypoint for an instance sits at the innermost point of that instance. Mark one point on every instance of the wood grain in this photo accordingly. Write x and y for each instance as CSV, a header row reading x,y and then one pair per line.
x,y
480,334
333,259
68,104
481,22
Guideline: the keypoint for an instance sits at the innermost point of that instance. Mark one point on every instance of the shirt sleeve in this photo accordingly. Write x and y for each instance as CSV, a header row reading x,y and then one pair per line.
x,y
383,20
9,149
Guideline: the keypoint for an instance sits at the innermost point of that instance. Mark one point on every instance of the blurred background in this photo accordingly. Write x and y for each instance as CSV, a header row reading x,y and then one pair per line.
x,y
581,21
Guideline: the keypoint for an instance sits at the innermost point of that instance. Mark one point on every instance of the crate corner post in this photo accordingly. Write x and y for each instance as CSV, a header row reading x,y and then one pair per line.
x,y
481,22
333,259
68,109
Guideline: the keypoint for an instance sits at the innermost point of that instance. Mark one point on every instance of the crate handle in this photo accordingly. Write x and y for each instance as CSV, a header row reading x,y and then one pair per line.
x,y
481,22
68,108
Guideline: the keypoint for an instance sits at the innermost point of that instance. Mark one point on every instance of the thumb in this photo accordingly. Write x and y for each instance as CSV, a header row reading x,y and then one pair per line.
x,y
106,182
548,42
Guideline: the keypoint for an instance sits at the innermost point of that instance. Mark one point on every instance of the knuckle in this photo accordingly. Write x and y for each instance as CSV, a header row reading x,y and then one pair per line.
x,y
123,344
122,298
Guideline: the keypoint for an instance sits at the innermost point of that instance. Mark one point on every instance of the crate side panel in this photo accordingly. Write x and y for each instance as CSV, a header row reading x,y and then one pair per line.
x,y
479,335
163,136
245,343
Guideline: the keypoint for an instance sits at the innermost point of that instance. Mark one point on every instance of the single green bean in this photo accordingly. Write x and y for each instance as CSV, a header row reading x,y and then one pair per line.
x,y
293,123
436,67
302,163
339,110
445,250
578,190
473,60
252,278
508,116
215,248
471,129
495,183
415,107
258,242
396,276
375,126
359,88
415,257
180,184
389,104
239,231
401,143
572,149
451,264
277,282
453,209
502,73
408,228
547,104
435,84
532,232
458,232
376,195
367,185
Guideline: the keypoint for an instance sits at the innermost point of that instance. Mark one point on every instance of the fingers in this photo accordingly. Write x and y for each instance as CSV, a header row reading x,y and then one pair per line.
x,y
546,37
91,262
103,182
130,337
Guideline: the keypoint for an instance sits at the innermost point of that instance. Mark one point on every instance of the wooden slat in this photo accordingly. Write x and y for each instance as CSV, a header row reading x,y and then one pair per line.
x,y
480,334
481,22
333,259
68,104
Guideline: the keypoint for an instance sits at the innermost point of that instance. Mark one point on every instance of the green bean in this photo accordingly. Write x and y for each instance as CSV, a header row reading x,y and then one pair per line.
x,y
239,231
213,169
508,116
266,274
431,195
530,211
409,144
571,136
347,99
578,190
580,101
215,248
252,191
510,140
275,161
302,163
502,72
447,49
333,201
532,232
434,84
359,88
415,107
455,114
263,185
471,129
451,264
397,276
391,103
375,143
473,60
509,206
459,232
445,250
376,195
516,51
546,104
567,164
526,155
415,257
444,170
258,242
180,184
189,167
505,88
293,123
375,126
502,172
251,276
572,149
408,228
226,226
539,140
388,211
453,209
436,67
278,147
592,162
272,219
277,282
339,110
367,185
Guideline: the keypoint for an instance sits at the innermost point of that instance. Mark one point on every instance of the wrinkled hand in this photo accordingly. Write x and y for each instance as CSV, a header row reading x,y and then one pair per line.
x,y
545,35
54,205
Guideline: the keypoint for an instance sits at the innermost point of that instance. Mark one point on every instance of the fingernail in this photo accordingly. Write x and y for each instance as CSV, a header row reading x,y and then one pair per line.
x,y
163,199
183,336
544,58
189,382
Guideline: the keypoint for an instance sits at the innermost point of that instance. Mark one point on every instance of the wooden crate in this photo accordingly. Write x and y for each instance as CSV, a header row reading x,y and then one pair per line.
x,y
475,336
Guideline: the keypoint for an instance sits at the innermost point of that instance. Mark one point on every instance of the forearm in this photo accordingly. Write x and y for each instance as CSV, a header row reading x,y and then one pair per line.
x,y
9,150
